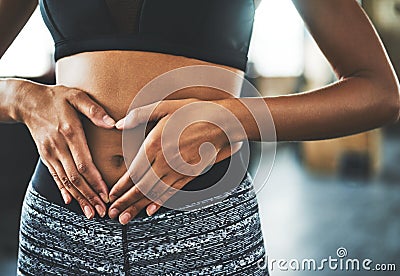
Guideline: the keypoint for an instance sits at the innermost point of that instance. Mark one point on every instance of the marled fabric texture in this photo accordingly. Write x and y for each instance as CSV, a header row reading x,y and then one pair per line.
x,y
224,238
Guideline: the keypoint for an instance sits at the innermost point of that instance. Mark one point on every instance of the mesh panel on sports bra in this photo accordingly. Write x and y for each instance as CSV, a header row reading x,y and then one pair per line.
x,y
125,14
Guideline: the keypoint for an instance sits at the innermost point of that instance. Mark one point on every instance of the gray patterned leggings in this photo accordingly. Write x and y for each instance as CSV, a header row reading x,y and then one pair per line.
x,y
224,238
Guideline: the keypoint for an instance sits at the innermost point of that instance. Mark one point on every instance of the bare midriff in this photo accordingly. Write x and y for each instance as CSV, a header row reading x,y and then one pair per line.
x,y
113,78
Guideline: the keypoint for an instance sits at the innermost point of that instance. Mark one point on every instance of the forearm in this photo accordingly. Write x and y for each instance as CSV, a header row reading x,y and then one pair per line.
x,y
350,106
11,91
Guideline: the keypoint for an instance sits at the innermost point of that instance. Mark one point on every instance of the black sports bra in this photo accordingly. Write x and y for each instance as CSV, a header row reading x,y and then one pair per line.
x,y
216,31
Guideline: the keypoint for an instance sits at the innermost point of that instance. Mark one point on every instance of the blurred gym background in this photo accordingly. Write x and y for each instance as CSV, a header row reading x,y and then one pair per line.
x,y
320,195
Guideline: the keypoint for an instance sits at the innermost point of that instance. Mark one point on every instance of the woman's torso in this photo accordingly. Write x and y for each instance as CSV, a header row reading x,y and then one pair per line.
x,y
113,78
112,48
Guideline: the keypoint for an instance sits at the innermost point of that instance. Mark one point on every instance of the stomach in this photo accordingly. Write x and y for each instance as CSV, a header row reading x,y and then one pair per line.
x,y
113,78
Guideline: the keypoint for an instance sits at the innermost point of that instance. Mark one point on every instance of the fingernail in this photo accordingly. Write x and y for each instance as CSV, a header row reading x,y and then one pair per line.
x,y
100,210
108,120
65,197
104,197
151,209
113,213
87,211
125,218
112,198
120,123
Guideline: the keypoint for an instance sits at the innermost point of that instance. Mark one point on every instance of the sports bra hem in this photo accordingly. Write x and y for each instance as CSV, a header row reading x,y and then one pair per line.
x,y
69,47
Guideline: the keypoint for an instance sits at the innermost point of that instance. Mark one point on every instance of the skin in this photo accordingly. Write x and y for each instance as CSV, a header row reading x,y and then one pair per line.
x,y
106,144
367,85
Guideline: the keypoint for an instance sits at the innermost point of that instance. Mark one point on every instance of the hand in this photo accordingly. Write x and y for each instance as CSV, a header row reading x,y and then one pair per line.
x,y
150,165
50,113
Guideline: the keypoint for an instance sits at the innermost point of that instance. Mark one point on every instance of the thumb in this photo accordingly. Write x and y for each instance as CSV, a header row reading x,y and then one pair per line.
x,y
93,111
142,115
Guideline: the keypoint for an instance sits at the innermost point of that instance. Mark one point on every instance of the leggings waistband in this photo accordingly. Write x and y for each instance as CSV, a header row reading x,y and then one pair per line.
x,y
43,182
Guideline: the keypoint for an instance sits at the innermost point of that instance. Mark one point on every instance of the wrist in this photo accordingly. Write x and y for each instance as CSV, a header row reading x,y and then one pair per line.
x,y
237,113
9,88
18,90
256,122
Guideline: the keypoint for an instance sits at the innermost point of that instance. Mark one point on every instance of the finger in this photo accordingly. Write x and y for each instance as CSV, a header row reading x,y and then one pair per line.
x,y
143,114
87,106
142,161
173,189
130,197
151,112
150,186
161,188
64,192
81,155
146,155
123,184
139,166
80,184
147,183
83,203
144,185
133,210
152,208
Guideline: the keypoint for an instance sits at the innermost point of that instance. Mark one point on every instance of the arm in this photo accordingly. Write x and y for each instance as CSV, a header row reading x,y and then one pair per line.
x,y
365,97
50,113
13,16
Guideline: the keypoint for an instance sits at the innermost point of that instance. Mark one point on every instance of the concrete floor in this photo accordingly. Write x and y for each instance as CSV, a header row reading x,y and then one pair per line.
x,y
307,216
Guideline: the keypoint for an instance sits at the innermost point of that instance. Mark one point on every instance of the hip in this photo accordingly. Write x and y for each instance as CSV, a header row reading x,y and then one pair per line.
x,y
220,239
